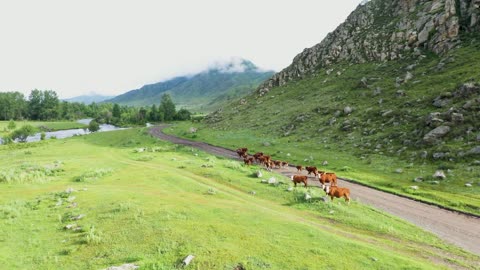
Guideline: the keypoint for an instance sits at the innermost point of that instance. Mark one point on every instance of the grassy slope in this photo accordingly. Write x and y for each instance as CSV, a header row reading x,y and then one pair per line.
x,y
294,119
154,208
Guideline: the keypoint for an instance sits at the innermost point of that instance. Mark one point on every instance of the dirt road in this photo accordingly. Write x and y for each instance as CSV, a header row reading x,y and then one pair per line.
x,y
453,227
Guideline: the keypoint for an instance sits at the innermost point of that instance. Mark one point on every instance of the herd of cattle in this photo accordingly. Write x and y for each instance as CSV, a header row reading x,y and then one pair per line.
x,y
332,190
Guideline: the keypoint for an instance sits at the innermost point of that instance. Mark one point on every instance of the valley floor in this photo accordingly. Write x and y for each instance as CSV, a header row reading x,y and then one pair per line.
x,y
105,199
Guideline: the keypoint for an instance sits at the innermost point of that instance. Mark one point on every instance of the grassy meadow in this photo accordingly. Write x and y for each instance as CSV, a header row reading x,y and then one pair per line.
x,y
93,201
376,171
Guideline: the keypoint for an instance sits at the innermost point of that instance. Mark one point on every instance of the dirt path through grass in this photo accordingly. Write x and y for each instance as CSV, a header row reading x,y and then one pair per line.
x,y
456,228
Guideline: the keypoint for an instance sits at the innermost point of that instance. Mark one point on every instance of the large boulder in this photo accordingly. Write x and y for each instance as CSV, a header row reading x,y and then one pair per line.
x,y
434,136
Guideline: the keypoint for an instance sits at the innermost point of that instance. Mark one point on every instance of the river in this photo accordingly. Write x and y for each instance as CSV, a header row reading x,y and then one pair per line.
x,y
61,134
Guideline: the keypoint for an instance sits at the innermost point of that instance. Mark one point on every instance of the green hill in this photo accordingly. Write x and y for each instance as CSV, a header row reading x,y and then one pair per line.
x,y
205,91
401,102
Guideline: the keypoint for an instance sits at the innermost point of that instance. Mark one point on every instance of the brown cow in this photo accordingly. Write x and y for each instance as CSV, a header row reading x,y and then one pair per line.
x,y
327,178
242,152
258,155
277,163
262,160
299,168
248,160
312,169
299,179
284,164
267,158
337,192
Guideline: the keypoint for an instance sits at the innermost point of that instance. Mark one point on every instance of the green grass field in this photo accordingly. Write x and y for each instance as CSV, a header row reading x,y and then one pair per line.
x,y
42,125
377,171
155,207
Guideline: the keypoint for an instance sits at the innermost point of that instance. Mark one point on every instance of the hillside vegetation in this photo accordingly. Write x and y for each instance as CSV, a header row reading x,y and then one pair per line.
x,y
390,98
105,199
362,117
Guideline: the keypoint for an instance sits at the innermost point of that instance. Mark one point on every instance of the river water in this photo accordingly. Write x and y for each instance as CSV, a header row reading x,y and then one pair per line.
x,y
61,134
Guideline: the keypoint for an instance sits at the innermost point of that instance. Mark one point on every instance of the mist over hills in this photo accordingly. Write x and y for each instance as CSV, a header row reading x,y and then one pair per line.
x,y
89,98
204,91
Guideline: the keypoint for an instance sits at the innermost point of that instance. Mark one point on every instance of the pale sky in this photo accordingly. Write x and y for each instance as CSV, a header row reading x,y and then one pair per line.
x,y
113,46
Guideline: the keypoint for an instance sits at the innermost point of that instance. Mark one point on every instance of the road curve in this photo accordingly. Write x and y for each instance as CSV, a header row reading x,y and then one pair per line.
x,y
456,228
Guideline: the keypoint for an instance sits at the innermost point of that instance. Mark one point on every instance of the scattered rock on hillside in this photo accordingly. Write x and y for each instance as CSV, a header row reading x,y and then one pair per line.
x,y
457,118
468,185
272,181
347,110
192,130
408,76
127,266
440,102
377,91
387,113
259,174
266,144
439,175
414,187
436,134
478,137
307,197
399,170
466,90
78,217
290,189
324,163
439,155
418,179
434,119
474,151
69,190
70,226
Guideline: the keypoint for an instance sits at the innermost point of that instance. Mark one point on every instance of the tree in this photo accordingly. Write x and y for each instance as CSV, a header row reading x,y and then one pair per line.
x,y
168,107
11,125
50,108
22,133
116,111
35,104
183,115
153,114
93,126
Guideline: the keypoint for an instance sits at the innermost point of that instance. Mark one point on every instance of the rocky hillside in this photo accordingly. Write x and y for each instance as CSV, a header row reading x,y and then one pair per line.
x,y
204,91
381,30
397,78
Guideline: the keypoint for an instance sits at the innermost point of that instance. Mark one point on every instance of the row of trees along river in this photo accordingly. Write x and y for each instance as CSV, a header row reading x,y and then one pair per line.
x,y
46,106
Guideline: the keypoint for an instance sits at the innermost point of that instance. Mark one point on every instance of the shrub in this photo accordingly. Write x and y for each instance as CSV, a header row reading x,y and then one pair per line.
x,y
93,126
92,175
11,125
22,133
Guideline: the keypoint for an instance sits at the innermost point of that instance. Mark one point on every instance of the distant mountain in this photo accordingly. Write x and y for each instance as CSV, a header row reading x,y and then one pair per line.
x,y
205,91
87,99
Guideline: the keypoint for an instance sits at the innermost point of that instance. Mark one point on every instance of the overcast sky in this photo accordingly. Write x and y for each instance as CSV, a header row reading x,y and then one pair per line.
x,y
110,47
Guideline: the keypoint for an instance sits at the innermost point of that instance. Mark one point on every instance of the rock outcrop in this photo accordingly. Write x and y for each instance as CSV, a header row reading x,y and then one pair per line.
x,y
382,30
